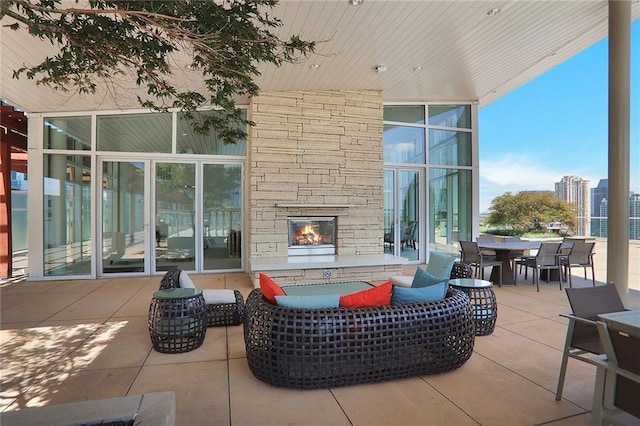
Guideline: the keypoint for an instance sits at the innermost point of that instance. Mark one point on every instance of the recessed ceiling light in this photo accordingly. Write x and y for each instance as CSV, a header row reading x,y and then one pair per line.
x,y
418,68
355,2
381,68
493,11
314,66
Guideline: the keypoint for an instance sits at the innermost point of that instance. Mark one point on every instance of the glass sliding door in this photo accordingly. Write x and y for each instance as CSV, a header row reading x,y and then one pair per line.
x,y
222,216
403,213
450,192
389,212
157,215
123,210
175,229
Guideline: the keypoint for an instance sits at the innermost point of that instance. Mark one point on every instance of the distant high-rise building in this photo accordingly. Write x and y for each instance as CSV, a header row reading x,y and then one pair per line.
x,y
576,191
634,217
599,208
599,223
597,195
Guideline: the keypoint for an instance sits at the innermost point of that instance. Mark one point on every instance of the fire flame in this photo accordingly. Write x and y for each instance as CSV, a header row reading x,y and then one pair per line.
x,y
309,235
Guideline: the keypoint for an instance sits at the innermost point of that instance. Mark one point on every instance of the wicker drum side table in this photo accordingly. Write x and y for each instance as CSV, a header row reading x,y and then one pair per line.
x,y
483,301
177,320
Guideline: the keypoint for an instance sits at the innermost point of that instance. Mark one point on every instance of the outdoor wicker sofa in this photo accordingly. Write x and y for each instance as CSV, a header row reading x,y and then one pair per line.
x,y
322,348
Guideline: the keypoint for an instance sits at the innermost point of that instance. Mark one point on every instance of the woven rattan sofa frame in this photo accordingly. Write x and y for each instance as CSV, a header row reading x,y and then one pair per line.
x,y
323,348
219,314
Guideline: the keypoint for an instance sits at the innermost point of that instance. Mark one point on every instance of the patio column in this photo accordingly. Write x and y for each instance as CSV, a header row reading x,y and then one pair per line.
x,y
619,145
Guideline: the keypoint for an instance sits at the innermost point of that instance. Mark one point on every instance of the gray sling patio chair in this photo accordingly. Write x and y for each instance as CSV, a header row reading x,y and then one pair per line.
x,y
583,341
579,256
470,254
547,259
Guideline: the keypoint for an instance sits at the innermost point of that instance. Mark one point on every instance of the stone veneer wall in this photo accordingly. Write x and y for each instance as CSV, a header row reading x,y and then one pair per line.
x,y
317,148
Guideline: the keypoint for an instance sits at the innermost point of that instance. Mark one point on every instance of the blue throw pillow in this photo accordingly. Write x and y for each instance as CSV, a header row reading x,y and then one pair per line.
x,y
404,296
423,278
440,264
309,302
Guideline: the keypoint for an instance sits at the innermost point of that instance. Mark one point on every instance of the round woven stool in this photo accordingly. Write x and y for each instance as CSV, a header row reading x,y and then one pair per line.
x,y
483,301
177,320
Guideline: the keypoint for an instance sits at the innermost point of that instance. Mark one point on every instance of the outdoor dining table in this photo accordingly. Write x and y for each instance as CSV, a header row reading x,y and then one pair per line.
x,y
503,253
504,250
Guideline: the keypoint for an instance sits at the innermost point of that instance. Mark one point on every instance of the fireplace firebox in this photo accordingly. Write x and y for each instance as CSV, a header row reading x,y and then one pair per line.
x,y
312,235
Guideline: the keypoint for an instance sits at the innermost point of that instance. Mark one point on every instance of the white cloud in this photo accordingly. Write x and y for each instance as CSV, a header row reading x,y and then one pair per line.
x,y
514,174
523,172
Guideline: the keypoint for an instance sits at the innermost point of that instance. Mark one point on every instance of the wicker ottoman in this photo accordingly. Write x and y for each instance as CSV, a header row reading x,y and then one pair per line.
x,y
224,307
483,301
222,312
177,320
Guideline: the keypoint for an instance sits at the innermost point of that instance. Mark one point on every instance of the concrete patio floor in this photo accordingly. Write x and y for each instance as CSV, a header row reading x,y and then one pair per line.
x,y
69,341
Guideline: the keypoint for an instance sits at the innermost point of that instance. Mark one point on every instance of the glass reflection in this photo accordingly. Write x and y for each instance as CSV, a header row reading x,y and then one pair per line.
x,y
123,232
404,144
222,213
67,215
135,132
404,113
175,194
70,133
449,207
450,116
190,142
449,148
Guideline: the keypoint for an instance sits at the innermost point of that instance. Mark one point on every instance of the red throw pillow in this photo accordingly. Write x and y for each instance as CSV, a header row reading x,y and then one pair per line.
x,y
377,296
270,289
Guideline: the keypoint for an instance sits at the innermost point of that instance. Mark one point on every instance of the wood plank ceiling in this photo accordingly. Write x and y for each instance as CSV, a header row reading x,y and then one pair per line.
x,y
434,50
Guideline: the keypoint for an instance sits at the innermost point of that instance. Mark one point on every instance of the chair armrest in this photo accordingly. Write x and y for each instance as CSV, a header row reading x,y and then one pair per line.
x,y
572,317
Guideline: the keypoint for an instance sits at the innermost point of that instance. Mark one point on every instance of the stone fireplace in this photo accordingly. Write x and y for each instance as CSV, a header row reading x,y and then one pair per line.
x,y
309,236
317,155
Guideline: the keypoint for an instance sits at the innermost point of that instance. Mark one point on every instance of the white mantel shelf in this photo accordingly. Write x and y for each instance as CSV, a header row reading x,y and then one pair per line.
x,y
257,264
314,205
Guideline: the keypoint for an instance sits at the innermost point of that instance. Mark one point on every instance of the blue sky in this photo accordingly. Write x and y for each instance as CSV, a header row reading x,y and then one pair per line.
x,y
554,126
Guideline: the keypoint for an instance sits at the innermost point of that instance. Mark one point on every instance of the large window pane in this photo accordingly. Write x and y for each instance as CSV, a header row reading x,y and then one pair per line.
x,y
449,148
222,216
450,116
449,207
175,198
404,113
135,133
70,133
123,217
404,144
389,211
409,214
67,213
190,142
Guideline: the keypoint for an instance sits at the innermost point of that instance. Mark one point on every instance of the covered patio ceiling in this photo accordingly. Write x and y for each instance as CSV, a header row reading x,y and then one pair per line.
x,y
434,50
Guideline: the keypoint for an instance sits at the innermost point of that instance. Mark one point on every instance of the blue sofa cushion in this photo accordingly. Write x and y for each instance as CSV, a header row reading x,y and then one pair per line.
x,y
309,302
404,296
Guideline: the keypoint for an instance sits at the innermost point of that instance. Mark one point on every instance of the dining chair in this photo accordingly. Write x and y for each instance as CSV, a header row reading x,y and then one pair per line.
x,y
617,386
471,255
583,341
486,239
409,236
546,259
580,256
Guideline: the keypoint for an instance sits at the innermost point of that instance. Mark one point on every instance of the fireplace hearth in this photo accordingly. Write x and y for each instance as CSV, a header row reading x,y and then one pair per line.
x,y
312,235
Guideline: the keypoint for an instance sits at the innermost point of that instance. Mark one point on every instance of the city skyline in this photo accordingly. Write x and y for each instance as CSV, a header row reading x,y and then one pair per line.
x,y
556,126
